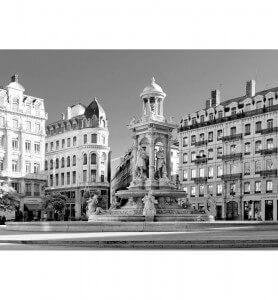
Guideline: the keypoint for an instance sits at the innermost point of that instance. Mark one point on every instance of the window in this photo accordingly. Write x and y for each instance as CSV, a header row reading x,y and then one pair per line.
x,y
62,162
219,151
210,136
210,172
257,166
202,153
233,130
258,126
193,156
51,164
68,177
246,187
74,160
211,117
93,175
201,190
269,186
36,167
15,144
15,166
232,188
219,189
28,146
62,178
220,114
193,173
184,158
68,142
258,146
247,129
193,191
51,180
210,189
194,121
210,153
269,164
185,141
84,175
15,123
37,147
102,176
36,189
202,137
269,123
219,171
28,189
46,147
57,145
94,138
63,143
202,172
56,179
257,186
270,101
74,177
85,161
185,175
248,107
85,138
259,104
74,141
247,147
57,163
28,126
193,139
45,165
68,161
37,127
247,168
219,134
269,144
233,111
202,118
51,146
28,167
233,149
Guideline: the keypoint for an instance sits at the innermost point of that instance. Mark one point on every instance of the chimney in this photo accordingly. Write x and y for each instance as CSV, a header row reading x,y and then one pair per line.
x,y
215,98
14,78
208,104
251,88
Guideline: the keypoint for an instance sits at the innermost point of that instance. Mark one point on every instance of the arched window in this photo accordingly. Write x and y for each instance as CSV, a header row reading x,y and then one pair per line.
x,y
62,162
68,161
93,159
51,164
57,163
74,160
45,165
85,161
74,141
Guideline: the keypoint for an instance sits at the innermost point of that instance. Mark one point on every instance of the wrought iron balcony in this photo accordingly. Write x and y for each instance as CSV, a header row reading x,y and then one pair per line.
x,y
267,173
268,151
232,137
200,179
269,130
235,176
200,143
201,160
233,156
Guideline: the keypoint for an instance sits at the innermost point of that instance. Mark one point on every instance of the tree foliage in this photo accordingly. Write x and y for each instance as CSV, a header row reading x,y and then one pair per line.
x,y
55,201
9,199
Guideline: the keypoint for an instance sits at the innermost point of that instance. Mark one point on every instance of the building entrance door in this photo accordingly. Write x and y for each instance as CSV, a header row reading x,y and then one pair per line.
x,y
218,212
268,210
232,210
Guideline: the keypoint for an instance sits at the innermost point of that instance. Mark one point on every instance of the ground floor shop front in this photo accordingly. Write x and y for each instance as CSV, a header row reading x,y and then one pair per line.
x,y
258,207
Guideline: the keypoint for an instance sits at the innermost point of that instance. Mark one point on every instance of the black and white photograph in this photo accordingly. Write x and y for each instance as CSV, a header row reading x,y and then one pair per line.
x,y
139,150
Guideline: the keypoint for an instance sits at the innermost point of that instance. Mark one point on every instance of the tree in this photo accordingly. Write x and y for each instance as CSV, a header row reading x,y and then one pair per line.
x,y
55,202
9,199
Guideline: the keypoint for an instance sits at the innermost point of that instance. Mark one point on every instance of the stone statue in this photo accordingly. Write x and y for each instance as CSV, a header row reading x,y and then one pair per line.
x,y
211,208
92,207
149,210
160,164
141,163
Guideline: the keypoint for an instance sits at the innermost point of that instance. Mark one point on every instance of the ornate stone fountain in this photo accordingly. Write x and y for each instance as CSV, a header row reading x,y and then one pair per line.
x,y
151,195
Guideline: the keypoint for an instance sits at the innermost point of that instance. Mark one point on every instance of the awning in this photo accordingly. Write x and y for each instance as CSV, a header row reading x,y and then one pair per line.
x,y
33,206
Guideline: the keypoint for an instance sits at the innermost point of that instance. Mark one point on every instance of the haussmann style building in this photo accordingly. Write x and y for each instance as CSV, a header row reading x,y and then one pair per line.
x,y
228,154
22,139
78,156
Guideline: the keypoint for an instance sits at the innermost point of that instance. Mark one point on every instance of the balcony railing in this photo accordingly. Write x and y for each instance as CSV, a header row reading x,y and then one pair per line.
x,y
233,156
200,179
267,173
200,160
232,137
268,151
235,176
200,143
269,130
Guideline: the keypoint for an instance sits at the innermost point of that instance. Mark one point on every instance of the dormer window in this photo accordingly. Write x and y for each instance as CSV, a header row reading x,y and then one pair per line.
x,y
220,114
233,111
210,117
202,119
15,104
194,121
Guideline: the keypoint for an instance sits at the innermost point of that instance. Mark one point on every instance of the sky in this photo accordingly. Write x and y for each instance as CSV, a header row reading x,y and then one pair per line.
x,y
117,77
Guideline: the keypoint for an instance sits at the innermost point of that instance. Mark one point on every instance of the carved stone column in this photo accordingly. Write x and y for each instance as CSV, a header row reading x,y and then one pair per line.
x,y
135,150
151,157
168,156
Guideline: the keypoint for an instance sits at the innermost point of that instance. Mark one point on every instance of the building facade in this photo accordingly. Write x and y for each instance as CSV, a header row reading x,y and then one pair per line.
x,y
228,154
78,156
22,139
